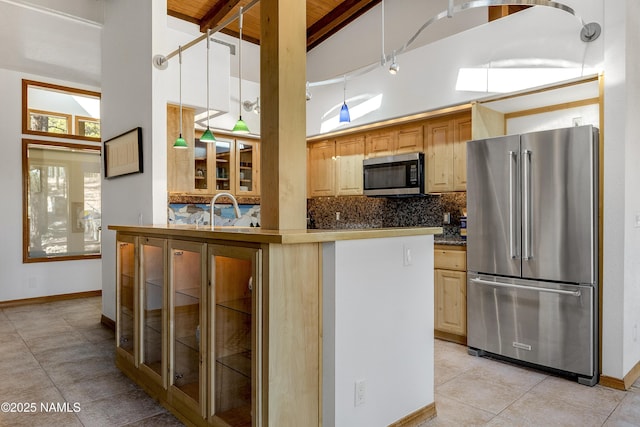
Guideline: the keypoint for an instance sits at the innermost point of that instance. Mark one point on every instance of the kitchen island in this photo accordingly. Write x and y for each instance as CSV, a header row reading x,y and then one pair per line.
x,y
247,326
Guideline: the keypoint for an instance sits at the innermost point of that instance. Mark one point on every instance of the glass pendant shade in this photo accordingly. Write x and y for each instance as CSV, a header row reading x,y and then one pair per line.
x,y
344,113
207,136
180,143
240,127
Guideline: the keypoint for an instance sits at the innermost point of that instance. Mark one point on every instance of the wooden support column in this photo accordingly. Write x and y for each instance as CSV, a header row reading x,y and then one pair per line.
x,y
283,203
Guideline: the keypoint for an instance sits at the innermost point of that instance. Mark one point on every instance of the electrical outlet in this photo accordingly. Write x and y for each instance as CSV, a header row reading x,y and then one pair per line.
x,y
577,121
446,218
360,391
337,216
635,332
406,255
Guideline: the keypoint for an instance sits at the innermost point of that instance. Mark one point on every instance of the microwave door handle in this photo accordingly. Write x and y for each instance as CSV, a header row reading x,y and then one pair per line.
x,y
512,210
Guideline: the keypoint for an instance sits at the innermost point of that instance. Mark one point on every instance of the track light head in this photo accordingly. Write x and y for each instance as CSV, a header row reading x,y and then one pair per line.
x,y
394,68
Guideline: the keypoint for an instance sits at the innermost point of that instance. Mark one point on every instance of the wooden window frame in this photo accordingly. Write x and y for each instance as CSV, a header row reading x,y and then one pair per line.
x,y
25,109
25,201
76,124
67,117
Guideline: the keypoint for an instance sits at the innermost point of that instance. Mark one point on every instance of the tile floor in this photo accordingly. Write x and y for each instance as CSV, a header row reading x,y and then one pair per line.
x,y
58,352
472,391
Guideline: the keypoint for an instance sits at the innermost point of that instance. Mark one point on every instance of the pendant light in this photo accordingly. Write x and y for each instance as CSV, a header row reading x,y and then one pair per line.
x,y
180,142
207,136
344,111
241,126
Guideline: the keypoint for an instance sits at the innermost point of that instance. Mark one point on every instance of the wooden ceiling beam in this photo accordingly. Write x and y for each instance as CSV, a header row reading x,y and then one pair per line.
x,y
182,16
219,10
338,18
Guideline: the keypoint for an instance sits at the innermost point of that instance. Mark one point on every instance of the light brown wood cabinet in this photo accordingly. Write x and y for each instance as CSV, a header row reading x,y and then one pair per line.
x,y
230,164
447,153
402,139
322,172
192,345
335,167
450,292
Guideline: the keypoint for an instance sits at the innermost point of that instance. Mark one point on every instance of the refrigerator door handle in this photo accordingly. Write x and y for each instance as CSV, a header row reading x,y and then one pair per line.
x,y
526,208
531,288
512,220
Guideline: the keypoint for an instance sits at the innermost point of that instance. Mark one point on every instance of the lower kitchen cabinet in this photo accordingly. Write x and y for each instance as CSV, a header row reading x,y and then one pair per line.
x,y
126,280
187,322
450,288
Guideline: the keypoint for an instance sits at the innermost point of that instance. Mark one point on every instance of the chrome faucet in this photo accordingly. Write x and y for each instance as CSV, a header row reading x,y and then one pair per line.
x,y
233,199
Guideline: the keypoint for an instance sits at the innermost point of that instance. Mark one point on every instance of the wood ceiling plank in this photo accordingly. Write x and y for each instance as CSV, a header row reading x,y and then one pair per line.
x,y
339,17
215,15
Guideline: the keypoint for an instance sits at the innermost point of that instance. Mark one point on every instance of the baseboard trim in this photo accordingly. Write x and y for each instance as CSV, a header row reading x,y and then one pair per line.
x,y
50,298
624,383
109,323
417,417
447,336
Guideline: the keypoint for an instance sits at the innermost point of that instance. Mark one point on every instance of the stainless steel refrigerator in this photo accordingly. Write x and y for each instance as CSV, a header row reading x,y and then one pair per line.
x,y
532,249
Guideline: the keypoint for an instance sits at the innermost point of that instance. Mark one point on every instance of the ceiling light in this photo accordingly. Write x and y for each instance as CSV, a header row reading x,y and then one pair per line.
x,y
344,111
308,93
252,106
180,142
240,126
207,136
394,67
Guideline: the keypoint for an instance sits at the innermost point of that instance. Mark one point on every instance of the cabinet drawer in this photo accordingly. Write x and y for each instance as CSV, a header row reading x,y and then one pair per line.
x,y
450,259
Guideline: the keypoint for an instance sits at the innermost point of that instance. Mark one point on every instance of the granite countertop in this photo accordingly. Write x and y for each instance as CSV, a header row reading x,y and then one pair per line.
x,y
261,235
452,240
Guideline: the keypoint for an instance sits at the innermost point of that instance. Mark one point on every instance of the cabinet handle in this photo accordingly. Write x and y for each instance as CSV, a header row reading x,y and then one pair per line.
x,y
178,253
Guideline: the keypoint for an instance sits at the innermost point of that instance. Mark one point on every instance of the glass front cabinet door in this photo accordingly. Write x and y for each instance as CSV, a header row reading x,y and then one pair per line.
x,y
188,320
247,161
234,371
153,309
126,280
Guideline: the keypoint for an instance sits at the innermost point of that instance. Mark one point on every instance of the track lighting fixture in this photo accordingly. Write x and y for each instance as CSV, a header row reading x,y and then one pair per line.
x,y
344,111
207,136
240,126
180,142
394,67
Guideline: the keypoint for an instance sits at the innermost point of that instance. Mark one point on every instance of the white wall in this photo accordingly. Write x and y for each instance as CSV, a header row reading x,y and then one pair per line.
x,y
428,74
588,114
374,307
630,115
18,280
132,95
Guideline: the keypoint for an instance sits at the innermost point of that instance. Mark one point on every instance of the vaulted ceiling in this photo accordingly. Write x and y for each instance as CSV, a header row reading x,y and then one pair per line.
x,y
324,17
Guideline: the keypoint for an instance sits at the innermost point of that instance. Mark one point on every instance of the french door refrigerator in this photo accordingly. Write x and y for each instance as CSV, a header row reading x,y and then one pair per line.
x,y
532,245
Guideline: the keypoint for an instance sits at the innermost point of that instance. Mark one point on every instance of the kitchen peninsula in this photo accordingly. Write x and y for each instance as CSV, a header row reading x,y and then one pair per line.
x,y
248,326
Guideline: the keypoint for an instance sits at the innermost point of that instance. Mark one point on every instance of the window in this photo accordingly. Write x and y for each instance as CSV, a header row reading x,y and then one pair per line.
x,y
62,201
45,121
54,110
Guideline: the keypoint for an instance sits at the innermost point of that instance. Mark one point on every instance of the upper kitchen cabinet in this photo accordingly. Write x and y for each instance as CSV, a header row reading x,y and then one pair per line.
x,y
461,134
335,167
230,164
349,156
446,153
322,170
180,163
247,172
386,142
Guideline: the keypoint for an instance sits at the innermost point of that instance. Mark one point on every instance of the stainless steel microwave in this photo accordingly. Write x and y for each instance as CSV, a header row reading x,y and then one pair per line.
x,y
399,175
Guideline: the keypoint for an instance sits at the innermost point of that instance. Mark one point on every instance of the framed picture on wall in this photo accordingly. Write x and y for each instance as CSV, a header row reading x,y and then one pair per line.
x,y
123,154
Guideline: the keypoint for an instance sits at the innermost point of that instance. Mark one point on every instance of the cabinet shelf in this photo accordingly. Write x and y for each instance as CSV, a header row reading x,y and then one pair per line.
x,y
241,305
189,341
222,179
238,362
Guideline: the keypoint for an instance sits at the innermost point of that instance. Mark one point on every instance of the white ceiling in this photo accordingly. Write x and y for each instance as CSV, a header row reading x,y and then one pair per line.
x,y
60,39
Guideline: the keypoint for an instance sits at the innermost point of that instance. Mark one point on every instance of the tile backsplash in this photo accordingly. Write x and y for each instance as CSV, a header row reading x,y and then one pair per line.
x,y
373,212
